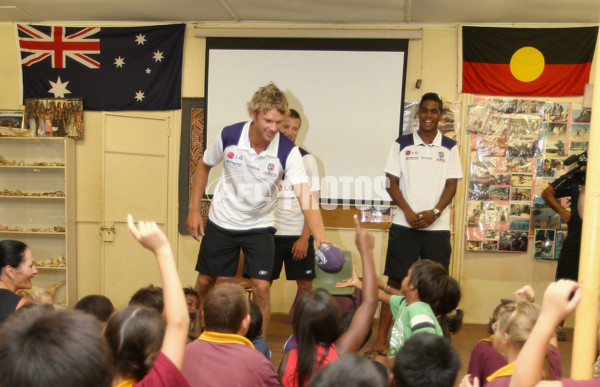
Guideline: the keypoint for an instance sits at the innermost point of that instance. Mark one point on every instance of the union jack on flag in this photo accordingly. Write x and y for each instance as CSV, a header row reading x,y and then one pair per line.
x,y
111,68
58,45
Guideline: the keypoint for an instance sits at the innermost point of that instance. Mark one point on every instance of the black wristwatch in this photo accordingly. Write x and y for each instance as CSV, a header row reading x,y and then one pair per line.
x,y
436,212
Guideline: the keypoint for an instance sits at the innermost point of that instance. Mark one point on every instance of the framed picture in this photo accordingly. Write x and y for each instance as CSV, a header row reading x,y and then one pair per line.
x,y
11,124
54,117
193,145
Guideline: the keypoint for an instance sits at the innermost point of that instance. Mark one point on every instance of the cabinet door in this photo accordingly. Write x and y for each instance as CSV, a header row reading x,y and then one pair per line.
x,y
135,178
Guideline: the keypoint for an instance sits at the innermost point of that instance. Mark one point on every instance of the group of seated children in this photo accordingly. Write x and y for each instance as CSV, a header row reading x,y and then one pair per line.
x,y
157,340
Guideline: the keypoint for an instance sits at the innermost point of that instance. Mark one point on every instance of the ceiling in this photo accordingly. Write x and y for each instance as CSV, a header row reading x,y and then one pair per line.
x,y
304,11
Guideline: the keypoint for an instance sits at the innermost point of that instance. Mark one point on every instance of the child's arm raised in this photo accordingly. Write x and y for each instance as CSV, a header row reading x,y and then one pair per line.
x,y
175,310
353,339
560,299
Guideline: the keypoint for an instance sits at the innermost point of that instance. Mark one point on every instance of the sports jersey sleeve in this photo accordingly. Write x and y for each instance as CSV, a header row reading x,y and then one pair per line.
x,y
421,318
312,172
396,305
294,171
392,165
214,153
455,169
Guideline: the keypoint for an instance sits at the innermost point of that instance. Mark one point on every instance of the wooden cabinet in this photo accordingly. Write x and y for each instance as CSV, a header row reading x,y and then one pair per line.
x,y
37,207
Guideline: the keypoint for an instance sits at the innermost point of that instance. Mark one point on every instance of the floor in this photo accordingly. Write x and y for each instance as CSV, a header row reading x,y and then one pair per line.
x,y
464,341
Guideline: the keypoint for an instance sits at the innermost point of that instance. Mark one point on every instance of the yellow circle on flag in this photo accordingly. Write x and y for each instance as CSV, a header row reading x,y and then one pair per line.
x,y
527,64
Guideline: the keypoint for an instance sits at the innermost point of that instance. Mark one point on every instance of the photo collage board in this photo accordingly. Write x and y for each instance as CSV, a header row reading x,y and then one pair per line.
x,y
518,147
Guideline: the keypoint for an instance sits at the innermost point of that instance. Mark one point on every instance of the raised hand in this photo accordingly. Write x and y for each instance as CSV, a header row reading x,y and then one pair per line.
x,y
148,234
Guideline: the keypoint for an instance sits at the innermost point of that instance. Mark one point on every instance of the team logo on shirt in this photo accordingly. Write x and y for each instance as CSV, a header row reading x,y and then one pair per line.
x,y
234,160
441,156
411,155
270,169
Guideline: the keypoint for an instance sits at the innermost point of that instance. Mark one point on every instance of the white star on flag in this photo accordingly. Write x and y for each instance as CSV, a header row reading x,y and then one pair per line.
x,y
158,56
140,39
59,89
139,96
119,62
148,71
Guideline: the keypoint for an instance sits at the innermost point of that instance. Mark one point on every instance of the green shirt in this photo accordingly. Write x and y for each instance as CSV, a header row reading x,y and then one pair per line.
x,y
410,319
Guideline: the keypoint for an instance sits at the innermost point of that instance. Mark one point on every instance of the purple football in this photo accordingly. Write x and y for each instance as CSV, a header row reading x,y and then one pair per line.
x,y
330,258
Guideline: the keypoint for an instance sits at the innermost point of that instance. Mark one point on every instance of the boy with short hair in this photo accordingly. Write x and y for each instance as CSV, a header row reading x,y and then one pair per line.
x,y
222,355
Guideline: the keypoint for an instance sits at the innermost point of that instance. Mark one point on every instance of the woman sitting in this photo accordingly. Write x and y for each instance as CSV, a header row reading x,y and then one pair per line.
x,y
17,269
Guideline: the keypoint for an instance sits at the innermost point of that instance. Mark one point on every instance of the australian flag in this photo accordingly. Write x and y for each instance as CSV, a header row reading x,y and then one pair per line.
x,y
111,68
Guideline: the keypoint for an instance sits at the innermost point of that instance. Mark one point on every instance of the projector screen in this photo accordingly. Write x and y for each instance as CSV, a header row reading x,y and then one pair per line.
x,y
349,93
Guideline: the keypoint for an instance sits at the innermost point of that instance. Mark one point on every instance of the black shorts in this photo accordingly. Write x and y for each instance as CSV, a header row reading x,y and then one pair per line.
x,y
568,262
294,270
406,245
220,252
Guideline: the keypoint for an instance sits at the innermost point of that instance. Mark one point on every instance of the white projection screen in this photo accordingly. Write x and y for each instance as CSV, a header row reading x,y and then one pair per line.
x,y
349,92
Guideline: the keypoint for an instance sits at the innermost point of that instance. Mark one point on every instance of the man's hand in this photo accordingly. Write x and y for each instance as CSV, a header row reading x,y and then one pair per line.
x,y
195,223
565,215
299,249
424,219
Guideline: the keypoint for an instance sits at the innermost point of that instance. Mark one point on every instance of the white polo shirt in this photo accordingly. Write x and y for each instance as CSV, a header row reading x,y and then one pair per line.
x,y
422,170
246,192
289,219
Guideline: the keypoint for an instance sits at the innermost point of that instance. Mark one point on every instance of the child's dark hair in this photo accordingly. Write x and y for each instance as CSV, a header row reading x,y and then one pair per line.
x,y
426,360
349,370
256,318
43,346
189,291
315,322
150,296
135,336
439,290
96,305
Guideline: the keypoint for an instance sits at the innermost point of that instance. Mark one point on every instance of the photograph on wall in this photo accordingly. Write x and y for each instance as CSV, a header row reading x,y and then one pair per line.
x,y
499,105
525,125
580,132
410,120
11,124
543,216
54,117
515,241
544,242
526,106
477,115
556,112
558,243
581,115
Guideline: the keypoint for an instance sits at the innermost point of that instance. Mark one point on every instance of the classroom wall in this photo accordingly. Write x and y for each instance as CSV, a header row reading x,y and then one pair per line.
x,y
484,277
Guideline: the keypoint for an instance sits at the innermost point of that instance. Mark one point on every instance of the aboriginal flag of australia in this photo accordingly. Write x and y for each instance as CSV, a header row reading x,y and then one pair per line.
x,y
111,68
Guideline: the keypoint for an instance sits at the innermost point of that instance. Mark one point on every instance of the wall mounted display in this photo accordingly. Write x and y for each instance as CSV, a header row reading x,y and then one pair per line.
x,y
54,117
518,147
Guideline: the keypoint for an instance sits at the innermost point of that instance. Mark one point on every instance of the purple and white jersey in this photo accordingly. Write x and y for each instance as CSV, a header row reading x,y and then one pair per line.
x,y
246,192
289,219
